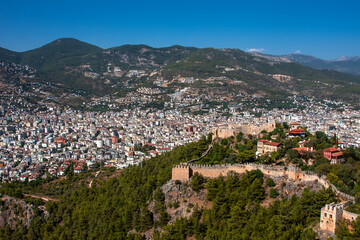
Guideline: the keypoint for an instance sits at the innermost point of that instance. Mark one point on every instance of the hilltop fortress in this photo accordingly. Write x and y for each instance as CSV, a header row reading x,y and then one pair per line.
x,y
248,128
330,214
183,172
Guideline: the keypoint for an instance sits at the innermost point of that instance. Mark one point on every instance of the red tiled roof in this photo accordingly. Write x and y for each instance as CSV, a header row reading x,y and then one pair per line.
x,y
272,143
297,130
303,149
337,154
331,149
262,140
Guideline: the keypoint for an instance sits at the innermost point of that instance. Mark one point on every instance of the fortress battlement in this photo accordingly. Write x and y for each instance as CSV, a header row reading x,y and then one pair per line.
x,y
331,214
181,166
183,172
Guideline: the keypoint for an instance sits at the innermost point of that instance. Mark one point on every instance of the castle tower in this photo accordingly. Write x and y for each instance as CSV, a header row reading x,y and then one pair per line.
x,y
293,173
331,214
181,172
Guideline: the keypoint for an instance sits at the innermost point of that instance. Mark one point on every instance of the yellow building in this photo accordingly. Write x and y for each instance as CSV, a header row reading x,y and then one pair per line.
x,y
264,146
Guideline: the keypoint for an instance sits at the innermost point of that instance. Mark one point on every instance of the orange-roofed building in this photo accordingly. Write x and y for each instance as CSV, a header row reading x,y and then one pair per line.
x,y
299,132
264,146
341,145
334,155
304,149
60,140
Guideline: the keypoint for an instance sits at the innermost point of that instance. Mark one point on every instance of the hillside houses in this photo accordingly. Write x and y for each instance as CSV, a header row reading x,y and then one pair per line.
x,y
266,147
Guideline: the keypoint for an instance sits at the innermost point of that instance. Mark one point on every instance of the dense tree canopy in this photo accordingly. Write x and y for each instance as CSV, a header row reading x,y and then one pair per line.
x,y
114,208
118,208
237,214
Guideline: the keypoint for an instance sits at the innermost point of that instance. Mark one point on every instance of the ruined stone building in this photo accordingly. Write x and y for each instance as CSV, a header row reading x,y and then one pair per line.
x,y
332,214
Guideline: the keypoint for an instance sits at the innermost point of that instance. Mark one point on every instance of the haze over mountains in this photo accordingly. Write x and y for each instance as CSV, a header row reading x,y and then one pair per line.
x,y
79,65
343,64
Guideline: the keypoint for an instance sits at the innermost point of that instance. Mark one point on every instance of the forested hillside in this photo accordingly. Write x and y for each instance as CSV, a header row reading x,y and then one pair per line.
x,y
111,210
118,208
237,214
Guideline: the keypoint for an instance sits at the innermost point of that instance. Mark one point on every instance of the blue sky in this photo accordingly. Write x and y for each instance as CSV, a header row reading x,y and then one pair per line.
x,y
325,29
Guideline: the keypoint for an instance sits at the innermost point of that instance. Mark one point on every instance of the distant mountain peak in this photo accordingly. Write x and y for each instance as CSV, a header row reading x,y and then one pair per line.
x,y
343,64
346,58
70,42
343,58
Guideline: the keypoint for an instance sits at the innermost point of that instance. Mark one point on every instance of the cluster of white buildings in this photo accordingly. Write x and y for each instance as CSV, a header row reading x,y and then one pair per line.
x,y
38,141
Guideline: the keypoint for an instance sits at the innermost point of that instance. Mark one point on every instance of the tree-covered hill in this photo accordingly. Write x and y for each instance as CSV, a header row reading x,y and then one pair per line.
x,y
80,65
118,208
10,56
258,74
109,211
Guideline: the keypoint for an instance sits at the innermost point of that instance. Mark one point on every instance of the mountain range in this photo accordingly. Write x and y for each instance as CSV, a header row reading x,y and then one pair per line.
x,y
343,64
79,65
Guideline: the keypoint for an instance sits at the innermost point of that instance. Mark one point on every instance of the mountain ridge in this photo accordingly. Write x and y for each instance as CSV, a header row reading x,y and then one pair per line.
x,y
81,65
349,65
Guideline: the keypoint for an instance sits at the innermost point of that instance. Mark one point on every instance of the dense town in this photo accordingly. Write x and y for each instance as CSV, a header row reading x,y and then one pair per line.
x,y
41,141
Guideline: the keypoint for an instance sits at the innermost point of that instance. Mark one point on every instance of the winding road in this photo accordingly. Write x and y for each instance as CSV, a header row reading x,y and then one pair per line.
x,y
97,173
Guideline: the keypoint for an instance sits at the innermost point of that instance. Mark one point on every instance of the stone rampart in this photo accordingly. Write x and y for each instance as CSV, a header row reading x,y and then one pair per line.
x,y
349,216
330,214
185,171
210,172
233,129
181,172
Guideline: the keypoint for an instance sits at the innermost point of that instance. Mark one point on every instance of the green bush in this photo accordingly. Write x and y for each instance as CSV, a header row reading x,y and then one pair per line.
x,y
197,182
270,182
273,193
224,141
176,204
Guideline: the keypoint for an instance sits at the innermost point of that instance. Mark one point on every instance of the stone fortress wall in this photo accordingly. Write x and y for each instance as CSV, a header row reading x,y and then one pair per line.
x,y
183,172
349,216
331,214
233,129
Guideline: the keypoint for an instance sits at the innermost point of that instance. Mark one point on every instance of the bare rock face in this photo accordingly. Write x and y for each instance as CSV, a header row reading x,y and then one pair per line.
x,y
323,235
296,188
181,200
15,211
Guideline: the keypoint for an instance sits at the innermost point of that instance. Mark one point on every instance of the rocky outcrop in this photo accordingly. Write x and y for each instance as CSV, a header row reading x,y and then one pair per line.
x,y
15,212
181,200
